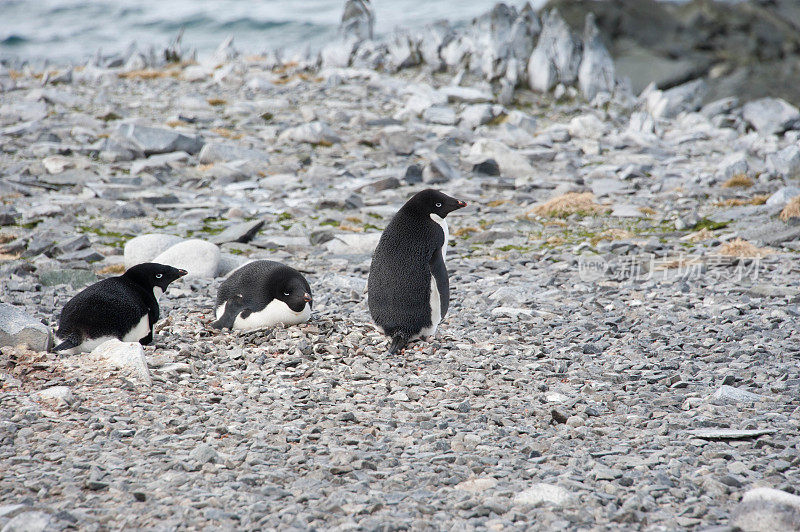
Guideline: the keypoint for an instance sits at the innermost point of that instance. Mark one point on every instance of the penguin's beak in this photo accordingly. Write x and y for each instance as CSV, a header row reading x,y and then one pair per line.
x,y
461,204
307,298
181,273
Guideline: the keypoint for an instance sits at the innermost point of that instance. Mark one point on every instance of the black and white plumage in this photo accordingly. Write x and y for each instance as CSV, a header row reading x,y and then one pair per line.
x,y
408,287
123,307
262,294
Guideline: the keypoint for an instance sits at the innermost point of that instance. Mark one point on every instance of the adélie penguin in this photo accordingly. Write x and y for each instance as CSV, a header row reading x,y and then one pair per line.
x,y
260,294
408,286
123,307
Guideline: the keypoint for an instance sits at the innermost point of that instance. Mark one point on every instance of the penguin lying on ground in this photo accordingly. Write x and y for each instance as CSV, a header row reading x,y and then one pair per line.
x,y
408,287
261,294
124,307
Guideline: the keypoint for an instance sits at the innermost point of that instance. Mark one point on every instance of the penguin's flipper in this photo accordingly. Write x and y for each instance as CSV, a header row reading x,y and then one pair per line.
x,y
69,342
228,317
399,341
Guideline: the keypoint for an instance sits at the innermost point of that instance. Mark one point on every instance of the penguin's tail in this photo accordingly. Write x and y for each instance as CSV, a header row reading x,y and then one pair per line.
x,y
68,343
399,341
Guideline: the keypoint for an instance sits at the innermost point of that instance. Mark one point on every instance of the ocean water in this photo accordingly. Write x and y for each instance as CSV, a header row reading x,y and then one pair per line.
x,y
73,30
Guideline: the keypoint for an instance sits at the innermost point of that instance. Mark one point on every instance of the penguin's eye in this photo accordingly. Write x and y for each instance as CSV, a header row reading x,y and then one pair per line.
x,y
286,293
159,275
438,205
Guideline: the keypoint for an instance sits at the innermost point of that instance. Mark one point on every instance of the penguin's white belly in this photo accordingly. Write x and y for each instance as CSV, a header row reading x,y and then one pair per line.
x,y
436,311
274,313
443,224
139,331
435,298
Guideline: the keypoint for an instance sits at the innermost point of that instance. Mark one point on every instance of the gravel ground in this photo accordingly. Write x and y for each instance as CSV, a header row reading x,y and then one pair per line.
x,y
591,374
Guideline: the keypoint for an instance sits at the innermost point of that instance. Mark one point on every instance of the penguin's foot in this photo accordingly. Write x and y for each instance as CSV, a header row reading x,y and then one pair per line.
x,y
399,342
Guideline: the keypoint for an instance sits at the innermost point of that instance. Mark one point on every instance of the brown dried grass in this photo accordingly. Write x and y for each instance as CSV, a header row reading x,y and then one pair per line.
x,y
759,199
742,248
568,204
792,209
738,181
614,233
116,269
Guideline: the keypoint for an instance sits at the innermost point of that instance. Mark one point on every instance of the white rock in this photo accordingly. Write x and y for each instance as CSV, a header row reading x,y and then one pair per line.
x,y
55,164
18,327
34,521
782,196
733,164
128,356
596,72
144,248
198,257
439,114
771,115
477,485
522,120
61,395
542,493
214,152
465,94
476,115
671,102
786,162
512,163
726,395
158,161
312,133
353,244
767,510
587,126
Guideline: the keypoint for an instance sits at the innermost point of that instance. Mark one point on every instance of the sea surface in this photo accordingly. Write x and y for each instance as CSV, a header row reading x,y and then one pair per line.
x,y
73,30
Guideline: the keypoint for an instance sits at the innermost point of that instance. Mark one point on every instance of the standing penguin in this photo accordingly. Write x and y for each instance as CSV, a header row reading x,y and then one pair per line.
x,y
409,291
261,294
124,307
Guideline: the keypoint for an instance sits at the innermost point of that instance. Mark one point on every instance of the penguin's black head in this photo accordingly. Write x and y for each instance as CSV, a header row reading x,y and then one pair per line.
x,y
294,291
432,201
151,274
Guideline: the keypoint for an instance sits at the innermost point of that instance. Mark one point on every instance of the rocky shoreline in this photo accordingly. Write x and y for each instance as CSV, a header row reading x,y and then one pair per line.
x,y
621,349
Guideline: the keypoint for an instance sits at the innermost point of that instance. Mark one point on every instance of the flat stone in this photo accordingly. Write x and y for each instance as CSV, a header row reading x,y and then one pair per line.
x,y
728,434
156,162
439,171
152,140
439,114
353,244
17,327
624,210
73,277
511,162
602,187
465,94
214,152
241,232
